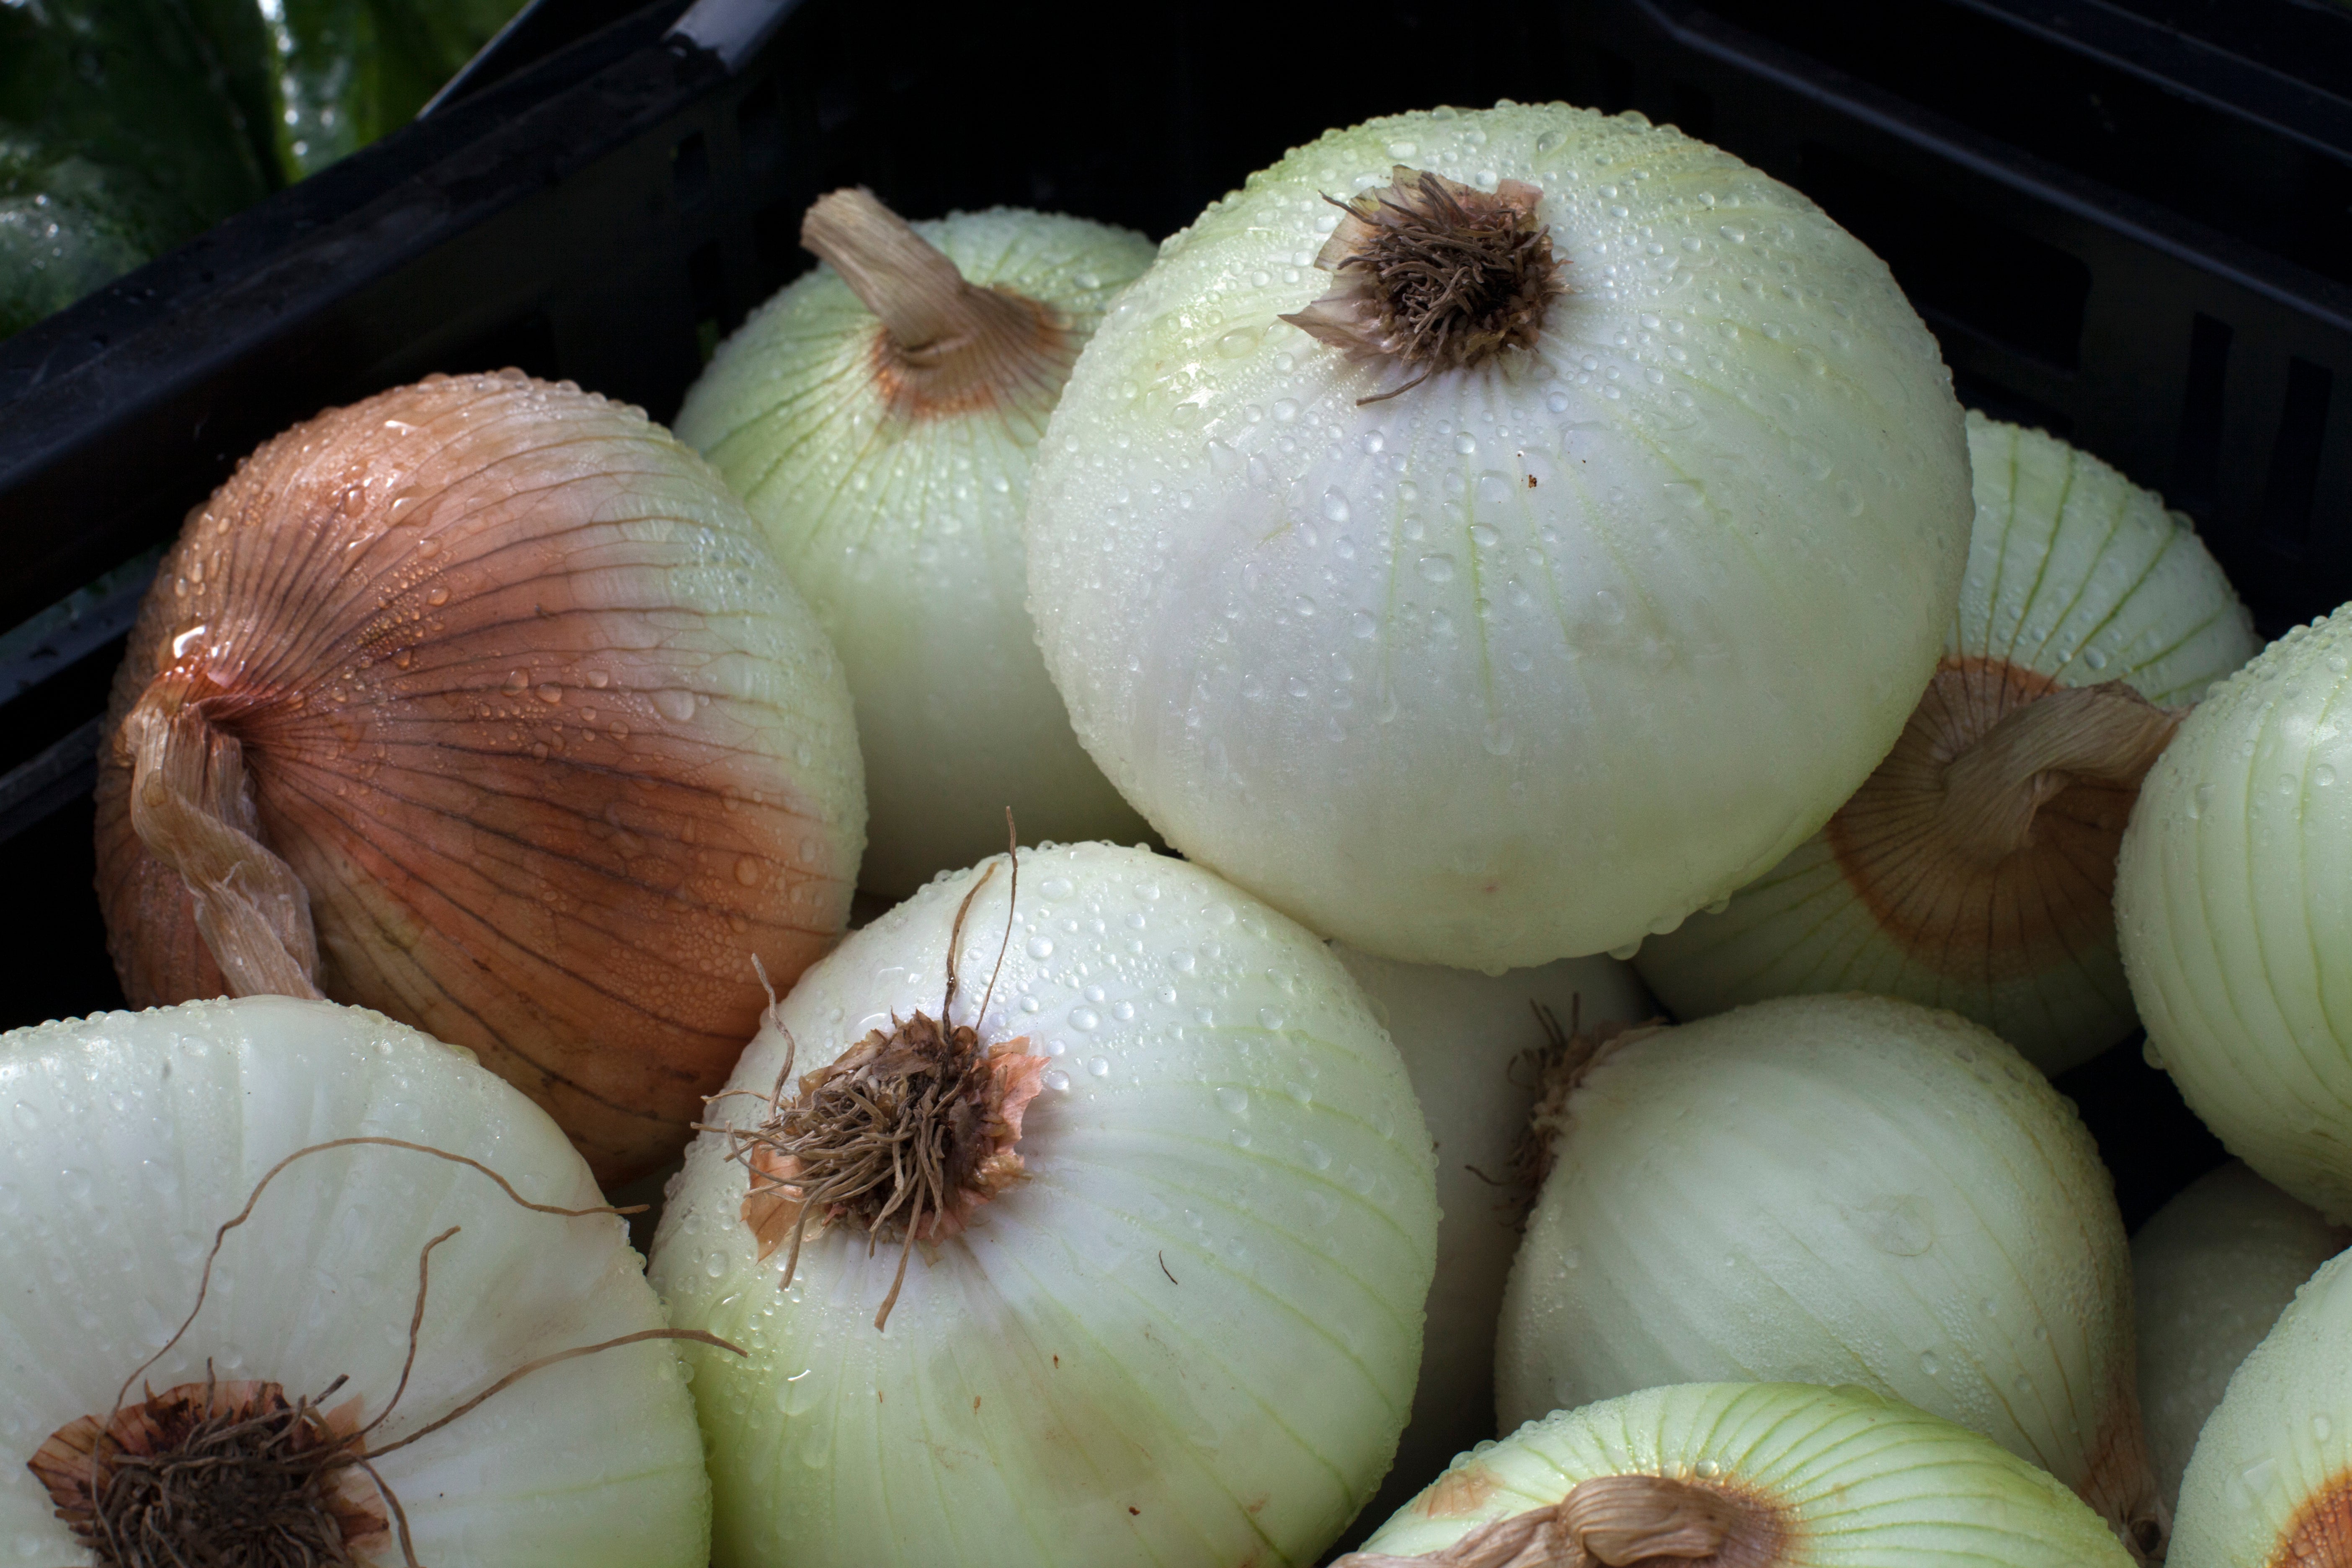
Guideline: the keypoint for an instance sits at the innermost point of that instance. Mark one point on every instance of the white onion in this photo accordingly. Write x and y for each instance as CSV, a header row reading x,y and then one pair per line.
x,y
1837,1190
2271,1483
1186,1335
2210,1273
898,517
2077,578
2234,904
1802,1475
1628,611
134,1136
1474,1047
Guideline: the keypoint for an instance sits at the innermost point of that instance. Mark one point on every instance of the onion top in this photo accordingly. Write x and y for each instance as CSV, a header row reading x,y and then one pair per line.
x,y
1975,869
481,701
1171,1311
2269,1485
1616,567
1835,1190
879,416
1743,1475
371,1292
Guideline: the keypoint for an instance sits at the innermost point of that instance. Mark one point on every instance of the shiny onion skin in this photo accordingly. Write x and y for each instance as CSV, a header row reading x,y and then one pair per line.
x,y
513,685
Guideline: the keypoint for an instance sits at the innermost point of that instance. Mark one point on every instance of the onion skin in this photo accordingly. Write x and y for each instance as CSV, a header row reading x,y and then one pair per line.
x,y
2076,577
1472,1044
1187,1336
1611,615
2210,1272
899,518
1833,1190
2233,902
525,704
2269,1485
1852,1479
133,1136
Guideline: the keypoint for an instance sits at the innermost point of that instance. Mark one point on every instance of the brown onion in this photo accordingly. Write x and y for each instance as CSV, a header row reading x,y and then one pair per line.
x,y
483,703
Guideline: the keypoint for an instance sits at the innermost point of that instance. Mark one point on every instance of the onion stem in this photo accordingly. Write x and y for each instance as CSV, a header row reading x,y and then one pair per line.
x,y
1618,1521
2107,733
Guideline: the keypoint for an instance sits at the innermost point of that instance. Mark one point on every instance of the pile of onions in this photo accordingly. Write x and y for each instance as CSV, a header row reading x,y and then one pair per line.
x,y
1744,1475
1836,1190
2234,904
1475,1047
386,1285
1547,581
2210,1273
1974,871
1125,1263
879,416
2271,1483
481,702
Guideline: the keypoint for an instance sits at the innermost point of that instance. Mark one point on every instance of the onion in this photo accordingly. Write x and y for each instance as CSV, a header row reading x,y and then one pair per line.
x,y
1574,601
879,416
2210,1273
481,702
2232,909
1974,871
1171,1314
1744,1476
135,1136
1836,1190
1475,1046
2271,1483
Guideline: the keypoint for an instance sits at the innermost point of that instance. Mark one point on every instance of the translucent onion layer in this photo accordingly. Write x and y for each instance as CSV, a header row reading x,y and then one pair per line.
x,y
2269,1485
134,1136
1187,1335
1838,1190
2210,1273
553,751
1628,611
1845,1477
899,517
2075,577
1475,1047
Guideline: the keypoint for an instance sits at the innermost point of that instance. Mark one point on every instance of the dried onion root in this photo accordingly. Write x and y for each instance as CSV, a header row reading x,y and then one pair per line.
x,y
483,703
1975,869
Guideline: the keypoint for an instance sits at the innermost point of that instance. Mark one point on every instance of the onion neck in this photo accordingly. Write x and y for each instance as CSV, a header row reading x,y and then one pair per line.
x,y
191,807
2106,734
1617,1521
945,346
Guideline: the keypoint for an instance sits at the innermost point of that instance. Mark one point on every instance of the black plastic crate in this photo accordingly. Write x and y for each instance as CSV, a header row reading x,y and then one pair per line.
x,y
2129,221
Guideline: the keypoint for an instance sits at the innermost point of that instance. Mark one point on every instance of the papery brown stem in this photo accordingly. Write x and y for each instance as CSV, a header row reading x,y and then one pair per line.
x,y
192,806
1613,1522
2106,734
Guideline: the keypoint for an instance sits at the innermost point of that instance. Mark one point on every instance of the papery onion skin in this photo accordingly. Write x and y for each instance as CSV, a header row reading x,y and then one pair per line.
x,y
2234,904
528,708
1640,624
1863,1481
1834,1190
1224,1234
2269,1485
1473,1045
901,524
2210,1273
135,1135
2075,577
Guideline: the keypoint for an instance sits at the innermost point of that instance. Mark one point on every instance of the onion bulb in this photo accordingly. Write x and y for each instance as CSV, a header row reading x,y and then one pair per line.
x,y
2234,904
1974,871
1744,1475
2210,1272
1834,1190
1614,570
2269,1485
879,416
1475,1047
371,1290
482,703
1151,1289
